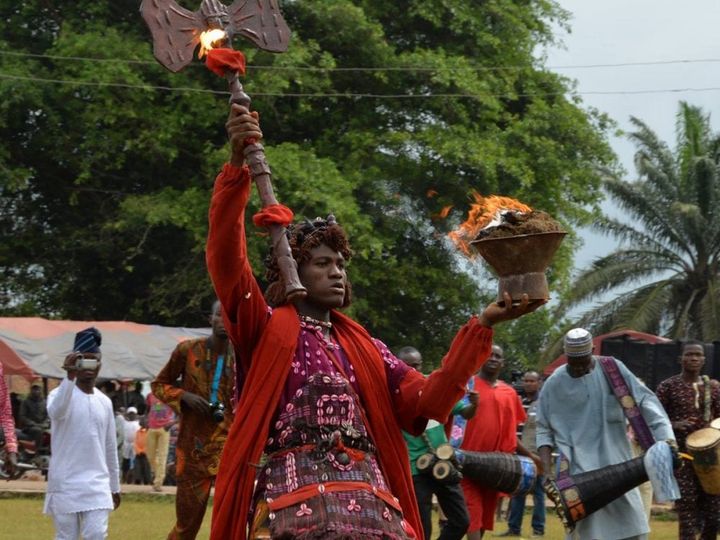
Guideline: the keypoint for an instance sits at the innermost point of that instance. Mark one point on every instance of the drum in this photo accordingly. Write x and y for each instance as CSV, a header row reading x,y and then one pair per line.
x,y
704,446
578,496
715,423
507,473
425,462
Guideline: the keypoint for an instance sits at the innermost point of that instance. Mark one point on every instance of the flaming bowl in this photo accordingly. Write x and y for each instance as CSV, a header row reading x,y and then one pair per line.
x,y
520,262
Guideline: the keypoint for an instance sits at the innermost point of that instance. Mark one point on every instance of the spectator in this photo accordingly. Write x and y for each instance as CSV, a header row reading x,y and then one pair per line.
x,y
130,429
160,419
136,399
205,367
34,419
141,467
531,391
692,400
15,402
83,482
494,429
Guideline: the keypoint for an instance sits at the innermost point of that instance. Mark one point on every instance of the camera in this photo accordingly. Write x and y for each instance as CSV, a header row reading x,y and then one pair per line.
x,y
82,362
217,411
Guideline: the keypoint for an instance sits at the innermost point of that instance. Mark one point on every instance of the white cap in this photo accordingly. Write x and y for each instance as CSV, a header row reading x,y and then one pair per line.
x,y
578,342
131,410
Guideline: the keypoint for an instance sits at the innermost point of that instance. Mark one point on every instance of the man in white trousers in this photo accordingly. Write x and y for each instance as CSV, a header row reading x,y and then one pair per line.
x,y
83,478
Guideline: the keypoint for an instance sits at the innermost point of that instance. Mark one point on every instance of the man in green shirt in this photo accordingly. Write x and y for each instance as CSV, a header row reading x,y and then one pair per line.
x,y
449,495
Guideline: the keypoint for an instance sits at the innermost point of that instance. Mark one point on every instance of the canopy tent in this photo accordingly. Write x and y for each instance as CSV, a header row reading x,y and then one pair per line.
x,y
36,347
597,344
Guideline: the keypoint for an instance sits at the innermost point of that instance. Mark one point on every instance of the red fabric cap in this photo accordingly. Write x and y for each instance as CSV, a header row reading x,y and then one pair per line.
x,y
275,213
222,60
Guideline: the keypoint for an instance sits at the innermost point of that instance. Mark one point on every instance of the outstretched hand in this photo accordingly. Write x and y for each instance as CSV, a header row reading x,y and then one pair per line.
x,y
241,125
495,313
69,364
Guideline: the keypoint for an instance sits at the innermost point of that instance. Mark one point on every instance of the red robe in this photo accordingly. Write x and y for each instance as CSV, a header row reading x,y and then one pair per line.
x,y
493,429
265,348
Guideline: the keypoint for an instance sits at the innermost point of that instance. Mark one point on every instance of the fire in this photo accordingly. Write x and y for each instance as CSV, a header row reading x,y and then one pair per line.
x,y
209,40
484,212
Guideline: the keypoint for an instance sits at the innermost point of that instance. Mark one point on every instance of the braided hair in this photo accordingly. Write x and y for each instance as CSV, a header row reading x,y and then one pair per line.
x,y
303,237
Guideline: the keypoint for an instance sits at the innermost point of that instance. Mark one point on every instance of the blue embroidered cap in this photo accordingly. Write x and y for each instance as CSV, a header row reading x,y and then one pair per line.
x,y
88,340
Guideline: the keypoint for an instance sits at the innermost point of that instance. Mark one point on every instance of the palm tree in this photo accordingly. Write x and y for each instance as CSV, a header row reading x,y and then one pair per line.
x,y
670,238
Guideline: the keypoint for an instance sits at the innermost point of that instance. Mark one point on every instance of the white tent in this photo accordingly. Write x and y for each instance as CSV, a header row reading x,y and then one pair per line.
x,y
36,347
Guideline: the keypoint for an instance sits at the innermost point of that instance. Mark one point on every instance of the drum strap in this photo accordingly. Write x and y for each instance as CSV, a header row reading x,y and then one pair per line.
x,y
707,398
629,406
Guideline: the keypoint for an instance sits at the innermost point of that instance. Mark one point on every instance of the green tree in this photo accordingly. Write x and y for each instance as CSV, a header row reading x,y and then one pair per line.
x,y
106,185
670,252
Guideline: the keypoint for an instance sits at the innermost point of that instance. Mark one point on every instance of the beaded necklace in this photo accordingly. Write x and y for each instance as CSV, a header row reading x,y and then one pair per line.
x,y
315,322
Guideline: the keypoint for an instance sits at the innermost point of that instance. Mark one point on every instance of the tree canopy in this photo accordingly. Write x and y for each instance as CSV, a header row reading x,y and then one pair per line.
x,y
383,113
669,259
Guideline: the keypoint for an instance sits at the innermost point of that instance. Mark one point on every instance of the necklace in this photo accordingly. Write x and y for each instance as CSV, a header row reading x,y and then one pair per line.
x,y
315,322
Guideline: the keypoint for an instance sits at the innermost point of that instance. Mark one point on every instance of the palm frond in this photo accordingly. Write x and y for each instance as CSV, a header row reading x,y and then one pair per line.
x,y
653,150
620,268
681,324
640,239
692,128
641,309
645,307
649,211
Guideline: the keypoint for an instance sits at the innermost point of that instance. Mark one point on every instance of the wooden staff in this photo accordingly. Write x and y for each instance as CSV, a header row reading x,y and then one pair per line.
x,y
177,32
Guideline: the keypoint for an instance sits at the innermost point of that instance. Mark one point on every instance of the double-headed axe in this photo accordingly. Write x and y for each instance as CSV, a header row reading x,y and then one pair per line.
x,y
176,33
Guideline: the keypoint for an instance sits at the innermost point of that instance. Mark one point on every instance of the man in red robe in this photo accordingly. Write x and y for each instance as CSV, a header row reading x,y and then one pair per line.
x,y
493,429
319,397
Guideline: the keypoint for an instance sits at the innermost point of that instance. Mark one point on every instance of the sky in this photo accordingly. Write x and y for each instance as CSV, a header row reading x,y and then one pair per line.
x,y
658,32
640,31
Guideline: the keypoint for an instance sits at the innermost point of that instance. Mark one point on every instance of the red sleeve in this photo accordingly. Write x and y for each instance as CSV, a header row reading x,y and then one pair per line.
x,y
244,309
420,398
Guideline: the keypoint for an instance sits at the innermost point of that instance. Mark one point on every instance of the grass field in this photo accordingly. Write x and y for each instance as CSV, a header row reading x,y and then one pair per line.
x,y
146,517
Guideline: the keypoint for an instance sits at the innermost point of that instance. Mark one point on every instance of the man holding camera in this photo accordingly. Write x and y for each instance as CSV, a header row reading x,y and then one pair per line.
x,y
83,478
202,400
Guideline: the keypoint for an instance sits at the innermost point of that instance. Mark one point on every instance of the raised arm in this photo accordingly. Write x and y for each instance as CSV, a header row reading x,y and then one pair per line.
x,y
244,307
58,402
421,398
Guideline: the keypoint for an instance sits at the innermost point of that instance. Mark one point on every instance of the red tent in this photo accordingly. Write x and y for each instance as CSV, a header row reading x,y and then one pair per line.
x,y
597,343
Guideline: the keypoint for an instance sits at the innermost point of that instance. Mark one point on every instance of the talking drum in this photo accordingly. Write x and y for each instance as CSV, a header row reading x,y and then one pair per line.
x,y
579,495
704,446
507,473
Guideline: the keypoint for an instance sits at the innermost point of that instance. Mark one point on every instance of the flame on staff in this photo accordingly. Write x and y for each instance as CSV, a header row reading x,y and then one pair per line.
x,y
210,39
484,213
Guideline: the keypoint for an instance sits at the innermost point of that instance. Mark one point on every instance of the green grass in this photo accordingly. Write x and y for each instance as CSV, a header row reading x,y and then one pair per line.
x,y
140,517
149,517
662,527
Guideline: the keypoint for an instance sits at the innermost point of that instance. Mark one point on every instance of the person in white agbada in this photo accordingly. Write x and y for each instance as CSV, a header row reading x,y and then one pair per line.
x,y
83,478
